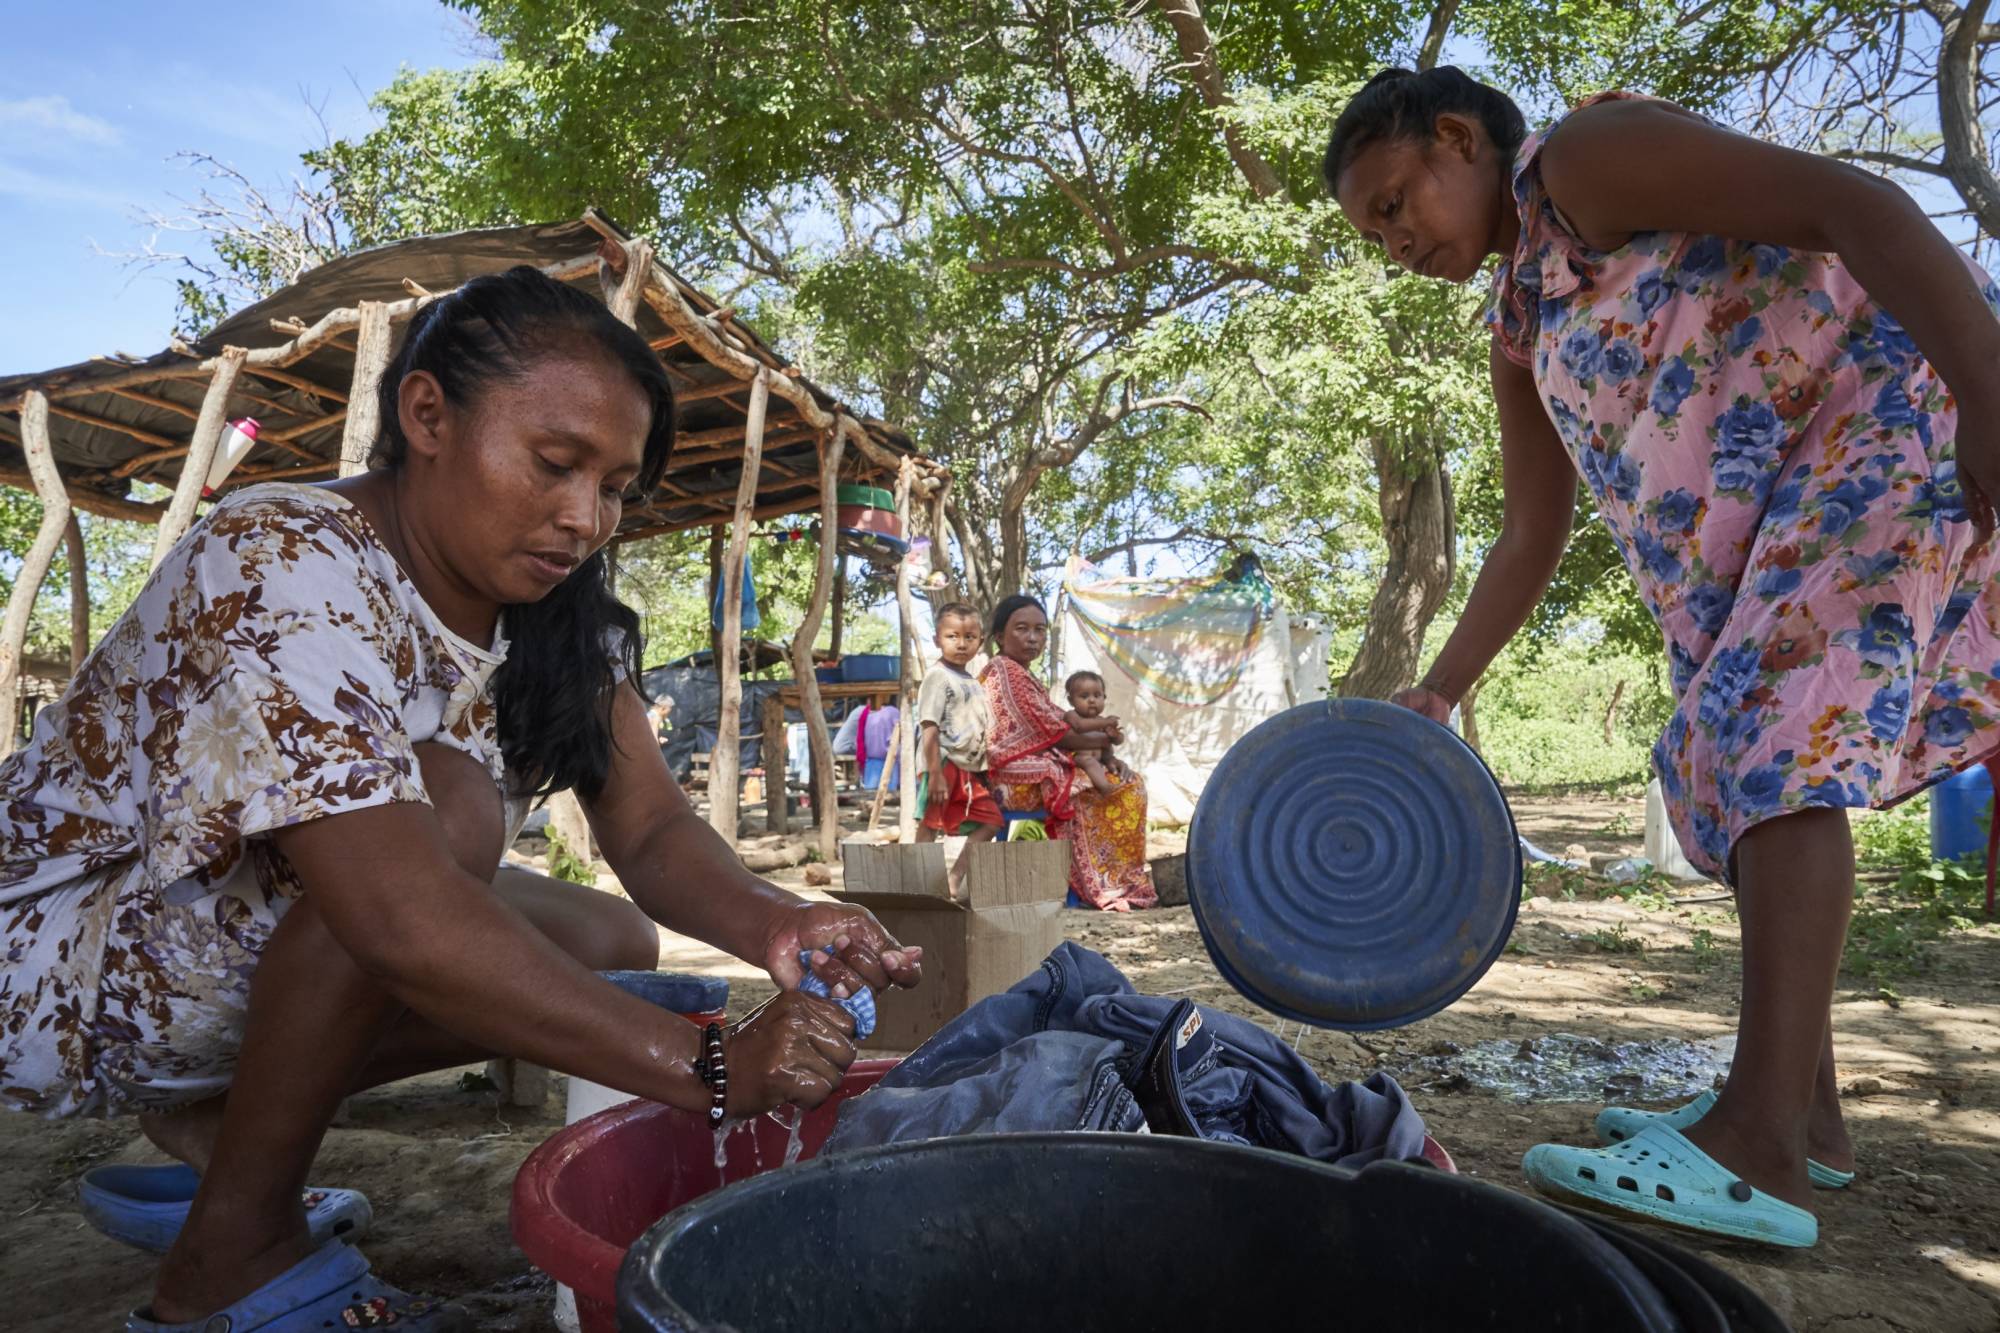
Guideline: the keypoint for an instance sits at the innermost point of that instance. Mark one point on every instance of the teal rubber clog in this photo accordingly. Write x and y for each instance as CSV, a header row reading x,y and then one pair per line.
x,y
1657,1175
1615,1124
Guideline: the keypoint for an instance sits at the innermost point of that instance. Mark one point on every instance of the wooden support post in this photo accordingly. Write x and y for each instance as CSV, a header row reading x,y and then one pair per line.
x,y
519,1082
79,593
839,602
201,451
825,780
906,697
941,545
882,786
34,565
778,808
624,299
364,415
725,764
715,544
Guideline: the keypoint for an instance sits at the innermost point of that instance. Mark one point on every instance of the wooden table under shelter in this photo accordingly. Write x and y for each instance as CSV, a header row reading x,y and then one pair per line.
x,y
876,693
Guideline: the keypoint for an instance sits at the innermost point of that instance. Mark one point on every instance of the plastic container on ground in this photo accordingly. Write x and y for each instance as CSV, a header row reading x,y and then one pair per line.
x,y
586,1194
1663,849
998,1234
1961,809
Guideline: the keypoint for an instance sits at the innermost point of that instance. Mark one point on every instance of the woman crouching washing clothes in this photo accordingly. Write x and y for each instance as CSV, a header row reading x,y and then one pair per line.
x,y
250,862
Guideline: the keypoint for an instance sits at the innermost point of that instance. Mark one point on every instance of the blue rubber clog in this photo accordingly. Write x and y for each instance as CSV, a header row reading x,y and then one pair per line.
x,y
145,1206
329,1288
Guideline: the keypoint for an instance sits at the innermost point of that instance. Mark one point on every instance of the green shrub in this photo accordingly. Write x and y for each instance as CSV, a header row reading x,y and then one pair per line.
x,y
565,864
1898,839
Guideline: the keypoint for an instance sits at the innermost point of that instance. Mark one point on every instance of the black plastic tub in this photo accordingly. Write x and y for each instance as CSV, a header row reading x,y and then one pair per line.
x,y
1079,1232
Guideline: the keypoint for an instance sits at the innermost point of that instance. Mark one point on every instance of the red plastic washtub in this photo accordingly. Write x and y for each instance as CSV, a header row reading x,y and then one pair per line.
x,y
583,1197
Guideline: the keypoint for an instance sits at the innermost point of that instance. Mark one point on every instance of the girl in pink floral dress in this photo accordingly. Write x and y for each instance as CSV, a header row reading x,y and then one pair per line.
x,y
1756,360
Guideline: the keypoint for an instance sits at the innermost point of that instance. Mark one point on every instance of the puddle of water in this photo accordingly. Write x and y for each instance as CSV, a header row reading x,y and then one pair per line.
x,y
1564,1067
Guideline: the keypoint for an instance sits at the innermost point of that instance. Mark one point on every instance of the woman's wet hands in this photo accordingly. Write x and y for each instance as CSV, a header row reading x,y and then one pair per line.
x,y
793,1048
848,948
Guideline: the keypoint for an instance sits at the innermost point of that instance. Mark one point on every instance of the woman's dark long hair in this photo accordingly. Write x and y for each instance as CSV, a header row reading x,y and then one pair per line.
x,y
1403,104
1005,612
554,692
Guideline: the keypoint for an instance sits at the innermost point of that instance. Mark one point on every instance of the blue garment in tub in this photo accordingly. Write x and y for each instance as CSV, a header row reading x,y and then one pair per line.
x,y
1074,1047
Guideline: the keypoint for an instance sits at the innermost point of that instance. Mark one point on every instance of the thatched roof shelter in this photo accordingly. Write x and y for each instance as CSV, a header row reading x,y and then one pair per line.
x,y
755,439
114,422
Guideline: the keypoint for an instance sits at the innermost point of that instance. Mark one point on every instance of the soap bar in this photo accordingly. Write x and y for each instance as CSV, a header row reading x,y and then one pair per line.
x,y
861,1004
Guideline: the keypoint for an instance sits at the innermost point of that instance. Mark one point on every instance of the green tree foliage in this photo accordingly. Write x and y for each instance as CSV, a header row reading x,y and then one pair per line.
x,y
115,559
1039,235
1080,250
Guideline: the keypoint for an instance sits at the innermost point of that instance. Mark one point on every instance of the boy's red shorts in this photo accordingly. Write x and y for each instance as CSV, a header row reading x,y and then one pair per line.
x,y
966,801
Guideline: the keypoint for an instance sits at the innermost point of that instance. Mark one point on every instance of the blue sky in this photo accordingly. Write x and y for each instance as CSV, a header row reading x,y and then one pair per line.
x,y
95,100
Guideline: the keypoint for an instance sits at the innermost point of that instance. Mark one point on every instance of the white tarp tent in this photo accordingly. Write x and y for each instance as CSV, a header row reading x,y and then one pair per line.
x,y
1190,665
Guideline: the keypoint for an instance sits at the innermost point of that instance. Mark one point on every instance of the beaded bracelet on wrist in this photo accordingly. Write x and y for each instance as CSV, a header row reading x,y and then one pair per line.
x,y
712,1071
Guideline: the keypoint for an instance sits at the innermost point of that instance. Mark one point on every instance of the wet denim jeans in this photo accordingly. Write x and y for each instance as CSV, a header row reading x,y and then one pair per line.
x,y
1074,1047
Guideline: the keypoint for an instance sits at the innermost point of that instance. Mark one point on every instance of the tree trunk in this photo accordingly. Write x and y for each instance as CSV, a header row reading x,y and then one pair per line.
x,y
1611,713
726,760
1468,716
1013,563
1965,161
1420,530
839,607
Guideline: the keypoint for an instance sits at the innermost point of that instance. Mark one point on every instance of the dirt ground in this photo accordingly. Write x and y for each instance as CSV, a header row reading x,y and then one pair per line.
x,y
1913,1245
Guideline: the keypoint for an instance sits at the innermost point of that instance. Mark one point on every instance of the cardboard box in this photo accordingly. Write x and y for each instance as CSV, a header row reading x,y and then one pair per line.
x,y
1007,921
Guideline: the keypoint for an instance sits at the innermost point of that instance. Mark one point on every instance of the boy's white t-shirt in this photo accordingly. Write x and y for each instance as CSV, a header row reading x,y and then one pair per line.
x,y
956,702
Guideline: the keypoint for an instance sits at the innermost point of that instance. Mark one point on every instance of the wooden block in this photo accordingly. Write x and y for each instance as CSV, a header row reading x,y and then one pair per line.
x,y
520,1083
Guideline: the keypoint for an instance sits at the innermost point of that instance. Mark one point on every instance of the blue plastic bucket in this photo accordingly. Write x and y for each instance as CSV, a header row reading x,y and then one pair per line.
x,y
1961,808
856,667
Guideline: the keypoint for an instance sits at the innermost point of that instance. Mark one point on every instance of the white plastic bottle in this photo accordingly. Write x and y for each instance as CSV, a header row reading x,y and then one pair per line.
x,y
239,437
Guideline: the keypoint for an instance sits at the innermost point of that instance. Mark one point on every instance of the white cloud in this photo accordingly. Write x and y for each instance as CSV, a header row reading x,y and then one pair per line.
x,y
34,187
36,120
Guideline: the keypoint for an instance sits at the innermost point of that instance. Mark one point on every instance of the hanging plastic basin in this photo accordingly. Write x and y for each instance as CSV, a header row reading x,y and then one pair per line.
x,y
867,519
872,497
585,1195
998,1234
